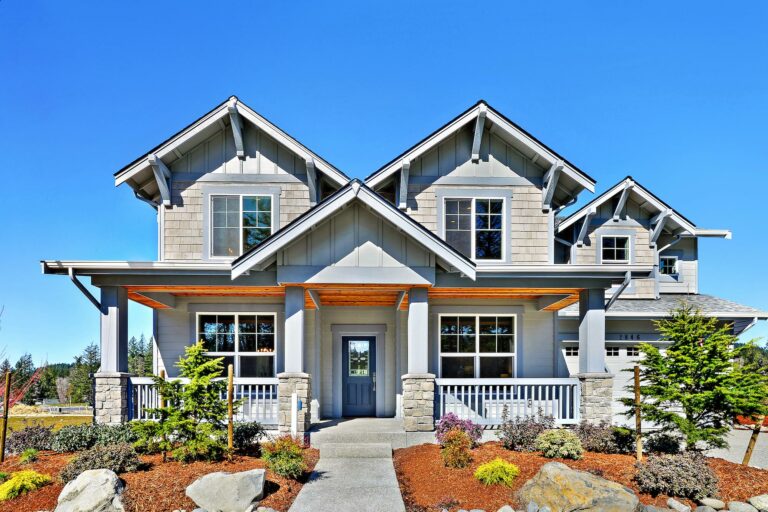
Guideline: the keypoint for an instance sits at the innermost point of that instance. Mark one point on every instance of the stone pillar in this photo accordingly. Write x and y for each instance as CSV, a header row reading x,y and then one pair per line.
x,y
111,398
289,383
419,402
596,402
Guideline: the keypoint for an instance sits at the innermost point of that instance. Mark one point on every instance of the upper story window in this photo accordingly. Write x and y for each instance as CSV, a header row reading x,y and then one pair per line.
x,y
239,223
615,249
668,265
477,346
246,341
475,227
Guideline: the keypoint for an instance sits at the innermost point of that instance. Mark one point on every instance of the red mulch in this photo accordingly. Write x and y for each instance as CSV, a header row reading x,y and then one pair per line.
x,y
157,488
428,485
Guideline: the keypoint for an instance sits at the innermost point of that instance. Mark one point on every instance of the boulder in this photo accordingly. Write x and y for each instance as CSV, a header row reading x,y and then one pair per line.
x,y
759,502
652,508
95,490
712,502
676,505
704,508
564,489
227,492
740,506
506,508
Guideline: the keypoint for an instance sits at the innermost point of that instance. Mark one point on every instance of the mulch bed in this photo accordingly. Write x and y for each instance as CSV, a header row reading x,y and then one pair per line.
x,y
427,485
159,487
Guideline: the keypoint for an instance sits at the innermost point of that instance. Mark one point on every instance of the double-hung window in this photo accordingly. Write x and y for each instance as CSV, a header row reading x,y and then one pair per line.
x,y
615,249
477,346
475,227
668,265
245,340
239,223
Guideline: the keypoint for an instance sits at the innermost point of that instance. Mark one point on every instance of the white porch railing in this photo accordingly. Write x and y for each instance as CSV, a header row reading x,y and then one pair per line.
x,y
483,400
259,397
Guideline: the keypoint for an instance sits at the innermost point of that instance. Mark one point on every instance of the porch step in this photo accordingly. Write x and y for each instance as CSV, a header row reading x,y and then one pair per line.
x,y
356,451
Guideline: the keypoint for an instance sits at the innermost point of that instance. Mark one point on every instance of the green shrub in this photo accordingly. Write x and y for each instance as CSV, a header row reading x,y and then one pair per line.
x,y
28,456
663,442
22,482
4,476
520,434
115,434
604,438
247,434
117,457
496,472
684,476
559,443
74,438
36,437
455,449
285,457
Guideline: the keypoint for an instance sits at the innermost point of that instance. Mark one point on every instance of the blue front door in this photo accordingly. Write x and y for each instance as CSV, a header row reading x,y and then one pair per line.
x,y
359,375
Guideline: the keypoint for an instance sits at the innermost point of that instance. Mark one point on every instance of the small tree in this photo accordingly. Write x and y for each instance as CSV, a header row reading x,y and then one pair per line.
x,y
191,425
698,386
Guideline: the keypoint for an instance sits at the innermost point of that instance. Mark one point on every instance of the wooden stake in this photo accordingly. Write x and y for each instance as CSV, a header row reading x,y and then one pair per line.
x,y
753,440
6,399
638,417
160,395
230,411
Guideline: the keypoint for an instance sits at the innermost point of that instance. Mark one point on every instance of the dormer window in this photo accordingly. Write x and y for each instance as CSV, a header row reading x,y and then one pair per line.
x,y
239,223
668,265
475,227
615,249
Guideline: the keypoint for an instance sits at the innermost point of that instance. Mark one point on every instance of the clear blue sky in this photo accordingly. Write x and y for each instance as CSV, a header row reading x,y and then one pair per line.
x,y
673,93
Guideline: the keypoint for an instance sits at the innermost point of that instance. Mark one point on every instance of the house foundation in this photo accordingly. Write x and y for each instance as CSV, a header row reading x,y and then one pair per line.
x,y
419,402
111,398
596,403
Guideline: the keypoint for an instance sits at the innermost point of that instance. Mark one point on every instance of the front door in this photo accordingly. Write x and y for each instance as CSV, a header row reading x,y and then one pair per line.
x,y
359,375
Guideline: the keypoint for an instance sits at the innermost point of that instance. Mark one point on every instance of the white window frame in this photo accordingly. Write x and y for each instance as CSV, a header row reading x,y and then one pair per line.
x,y
477,355
629,249
237,354
675,267
634,348
240,217
473,225
574,351
612,351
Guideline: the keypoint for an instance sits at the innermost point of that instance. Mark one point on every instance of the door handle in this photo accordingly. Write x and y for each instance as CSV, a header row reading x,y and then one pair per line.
x,y
373,375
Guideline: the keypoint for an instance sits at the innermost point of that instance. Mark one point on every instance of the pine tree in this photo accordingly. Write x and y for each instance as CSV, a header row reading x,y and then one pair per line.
x,y
23,371
149,356
80,381
698,386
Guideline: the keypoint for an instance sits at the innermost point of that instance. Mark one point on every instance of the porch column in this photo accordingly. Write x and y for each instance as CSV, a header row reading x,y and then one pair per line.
x,y
111,381
294,379
596,383
418,383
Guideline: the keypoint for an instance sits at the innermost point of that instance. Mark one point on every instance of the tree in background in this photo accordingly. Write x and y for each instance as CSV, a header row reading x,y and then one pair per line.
x,y
23,371
80,381
140,356
62,389
753,354
698,386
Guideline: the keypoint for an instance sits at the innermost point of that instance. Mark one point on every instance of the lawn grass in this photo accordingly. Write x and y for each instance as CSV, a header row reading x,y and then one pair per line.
x,y
19,422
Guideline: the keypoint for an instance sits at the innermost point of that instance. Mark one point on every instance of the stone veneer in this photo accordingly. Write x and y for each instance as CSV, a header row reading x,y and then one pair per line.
x,y
596,397
111,398
419,402
289,383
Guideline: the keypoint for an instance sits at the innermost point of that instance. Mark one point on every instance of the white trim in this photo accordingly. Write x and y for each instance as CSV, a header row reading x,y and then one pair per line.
x,y
628,249
473,225
477,355
675,266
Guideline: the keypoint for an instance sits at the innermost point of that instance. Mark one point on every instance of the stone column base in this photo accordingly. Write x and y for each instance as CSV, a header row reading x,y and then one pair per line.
x,y
289,383
419,402
596,403
111,398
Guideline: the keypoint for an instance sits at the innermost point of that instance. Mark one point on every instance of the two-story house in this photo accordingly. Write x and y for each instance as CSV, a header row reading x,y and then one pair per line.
x,y
445,282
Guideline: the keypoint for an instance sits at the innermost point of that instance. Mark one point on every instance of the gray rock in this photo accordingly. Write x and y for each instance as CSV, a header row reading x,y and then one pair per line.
x,y
544,509
532,507
740,506
651,508
227,492
95,490
506,508
676,505
712,502
759,502
559,487
704,508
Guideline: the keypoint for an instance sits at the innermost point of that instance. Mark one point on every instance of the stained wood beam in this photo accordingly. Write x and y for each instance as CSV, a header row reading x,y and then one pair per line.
x,y
585,227
237,128
658,226
550,184
404,176
312,182
163,178
478,137
622,200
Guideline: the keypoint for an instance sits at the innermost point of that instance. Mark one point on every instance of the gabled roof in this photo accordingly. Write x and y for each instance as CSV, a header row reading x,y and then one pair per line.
x,y
649,201
139,171
529,145
262,254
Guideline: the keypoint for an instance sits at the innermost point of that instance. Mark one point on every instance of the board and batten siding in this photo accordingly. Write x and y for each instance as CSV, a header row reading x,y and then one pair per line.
x,y
501,167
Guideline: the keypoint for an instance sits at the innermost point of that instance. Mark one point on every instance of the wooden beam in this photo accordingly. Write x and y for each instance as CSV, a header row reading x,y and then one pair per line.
x,y
479,126
404,176
162,177
562,303
585,227
547,300
658,225
312,182
622,200
237,128
550,184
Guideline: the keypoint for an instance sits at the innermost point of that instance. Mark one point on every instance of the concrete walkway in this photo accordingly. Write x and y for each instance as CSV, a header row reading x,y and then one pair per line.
x,y
738,440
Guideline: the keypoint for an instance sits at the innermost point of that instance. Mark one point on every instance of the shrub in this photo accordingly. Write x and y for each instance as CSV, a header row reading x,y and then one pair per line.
x,y
451,421
117,457
4,476
22,482
28,456
36,437
247,434
74,438
114,434
604,438
498,471
684,476
455,449
559,443
663,442
284,456
520,433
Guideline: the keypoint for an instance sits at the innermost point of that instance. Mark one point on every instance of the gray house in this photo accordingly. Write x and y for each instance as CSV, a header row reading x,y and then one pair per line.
x,y
447,281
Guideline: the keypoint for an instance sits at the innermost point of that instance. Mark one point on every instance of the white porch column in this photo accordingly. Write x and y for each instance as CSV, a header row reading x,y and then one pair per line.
x,y
111,381
596,383
418,383
293,380
294,329
418,331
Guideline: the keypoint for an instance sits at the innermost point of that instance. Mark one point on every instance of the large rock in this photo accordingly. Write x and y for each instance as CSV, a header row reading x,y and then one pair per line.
x,y
95,490
760,502
712,502
564,489
740,506
227,492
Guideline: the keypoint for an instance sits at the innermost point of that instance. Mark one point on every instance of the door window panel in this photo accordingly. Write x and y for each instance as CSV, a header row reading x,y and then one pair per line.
x,y
359,358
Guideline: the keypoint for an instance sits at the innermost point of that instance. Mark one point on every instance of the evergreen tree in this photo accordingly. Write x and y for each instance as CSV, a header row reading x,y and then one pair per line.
x,y
135,355
5,366
698,386
23,371
80,380
149,351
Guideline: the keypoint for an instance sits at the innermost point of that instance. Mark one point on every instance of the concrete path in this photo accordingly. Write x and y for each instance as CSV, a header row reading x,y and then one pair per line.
x,y
352,477
737,440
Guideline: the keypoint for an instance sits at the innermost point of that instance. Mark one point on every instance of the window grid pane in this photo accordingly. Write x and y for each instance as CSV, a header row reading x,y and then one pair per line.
x,y
488,229
245,340
458,225
615,249
470,346
257,220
